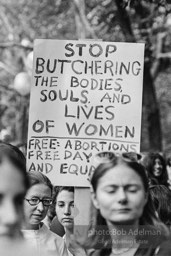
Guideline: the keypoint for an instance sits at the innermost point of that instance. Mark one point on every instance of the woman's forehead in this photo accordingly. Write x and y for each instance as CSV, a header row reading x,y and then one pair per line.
x,y
120,174
39,189
65,195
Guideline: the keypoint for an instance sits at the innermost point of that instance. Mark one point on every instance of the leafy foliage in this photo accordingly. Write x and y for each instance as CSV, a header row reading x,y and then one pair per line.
x,y
146,21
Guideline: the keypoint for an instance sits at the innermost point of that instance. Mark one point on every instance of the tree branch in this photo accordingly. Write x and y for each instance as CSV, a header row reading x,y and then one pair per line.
x,y
158,55
7,68
125,21
80,11
14,44
6,23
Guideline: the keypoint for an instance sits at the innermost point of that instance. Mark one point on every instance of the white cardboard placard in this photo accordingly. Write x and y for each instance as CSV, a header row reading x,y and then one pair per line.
x,y
86,97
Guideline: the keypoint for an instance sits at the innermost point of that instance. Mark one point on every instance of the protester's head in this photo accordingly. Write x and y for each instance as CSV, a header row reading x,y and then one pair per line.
x,y
13,187
37,200
158,165
156,168
65,207
161,197
120,194
120,191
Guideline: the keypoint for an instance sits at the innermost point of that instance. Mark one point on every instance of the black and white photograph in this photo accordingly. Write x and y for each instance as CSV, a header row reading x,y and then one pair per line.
x,y
85,117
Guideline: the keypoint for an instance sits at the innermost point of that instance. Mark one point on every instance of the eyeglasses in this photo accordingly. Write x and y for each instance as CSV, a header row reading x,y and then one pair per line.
x,y
36,200
109,156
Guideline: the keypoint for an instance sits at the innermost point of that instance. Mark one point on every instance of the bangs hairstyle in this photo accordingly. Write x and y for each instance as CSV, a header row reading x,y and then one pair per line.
x,y
16,157
36,177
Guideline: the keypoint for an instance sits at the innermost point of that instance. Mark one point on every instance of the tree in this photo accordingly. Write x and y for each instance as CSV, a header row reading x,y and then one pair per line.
x,y
138,21
109,20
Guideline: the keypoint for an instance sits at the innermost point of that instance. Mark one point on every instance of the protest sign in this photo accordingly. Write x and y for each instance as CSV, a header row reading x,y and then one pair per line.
x,y
86,97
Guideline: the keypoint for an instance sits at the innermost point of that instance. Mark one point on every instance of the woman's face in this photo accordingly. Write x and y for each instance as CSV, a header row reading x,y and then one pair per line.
x,y
65,208
157,167
12,192
34,214
120,195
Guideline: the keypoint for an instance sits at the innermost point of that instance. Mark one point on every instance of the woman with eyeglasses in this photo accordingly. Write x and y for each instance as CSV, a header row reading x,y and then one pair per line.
x,y
37,201
124,220
13,187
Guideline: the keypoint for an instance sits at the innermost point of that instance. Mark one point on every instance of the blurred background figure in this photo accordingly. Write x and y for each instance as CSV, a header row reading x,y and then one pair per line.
x,y
156,169
37,202
13,186
120,194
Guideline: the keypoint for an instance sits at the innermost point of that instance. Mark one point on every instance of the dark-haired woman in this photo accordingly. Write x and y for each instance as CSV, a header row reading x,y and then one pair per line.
x,y
156,169
65,207
65,211
126,223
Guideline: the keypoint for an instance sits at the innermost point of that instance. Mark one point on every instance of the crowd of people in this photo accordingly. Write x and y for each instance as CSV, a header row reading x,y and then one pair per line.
x,y
130,213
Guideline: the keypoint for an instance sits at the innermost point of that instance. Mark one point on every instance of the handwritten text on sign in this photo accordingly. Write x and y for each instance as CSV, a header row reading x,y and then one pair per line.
x,y
86,97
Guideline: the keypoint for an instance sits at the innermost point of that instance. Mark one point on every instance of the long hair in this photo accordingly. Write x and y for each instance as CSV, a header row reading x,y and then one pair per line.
x,y
148,217
149,162
161,197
